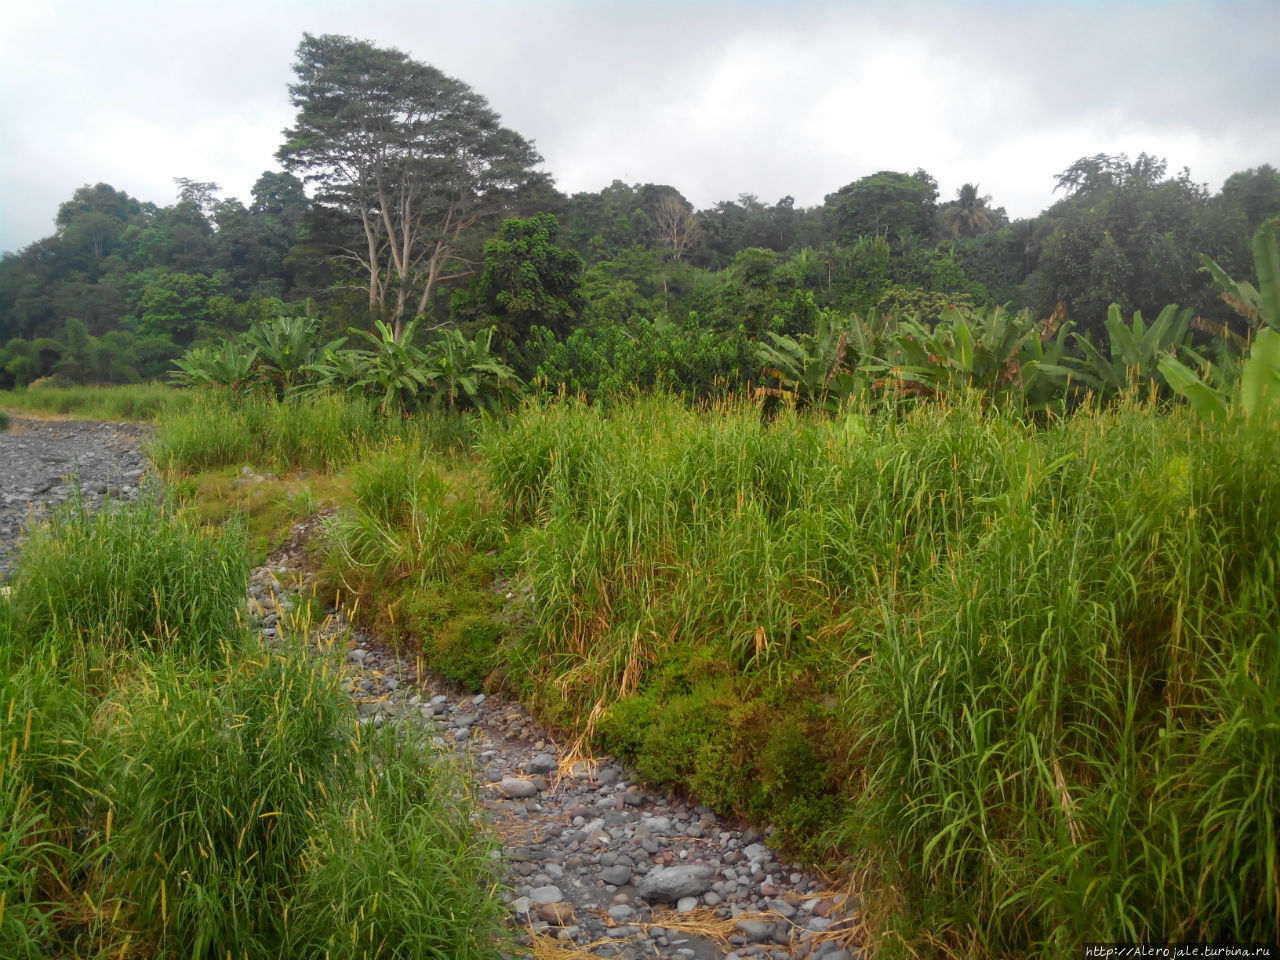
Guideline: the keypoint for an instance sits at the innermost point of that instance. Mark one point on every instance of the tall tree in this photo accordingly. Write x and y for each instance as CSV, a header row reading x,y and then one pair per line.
x,y
969,214
886,204
1255,193
413,157
1128,235
673,218
528,279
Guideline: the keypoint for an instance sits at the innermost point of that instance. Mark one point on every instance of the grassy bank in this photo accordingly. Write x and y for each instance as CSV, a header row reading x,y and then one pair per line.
x,y
170,789
143,401
1024,677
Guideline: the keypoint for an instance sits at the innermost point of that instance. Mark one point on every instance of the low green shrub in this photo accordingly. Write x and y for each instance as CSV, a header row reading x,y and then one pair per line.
x,y
465,649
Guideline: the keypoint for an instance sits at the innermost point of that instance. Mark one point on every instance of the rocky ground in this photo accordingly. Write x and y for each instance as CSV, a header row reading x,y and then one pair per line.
x,y
595,863
45,462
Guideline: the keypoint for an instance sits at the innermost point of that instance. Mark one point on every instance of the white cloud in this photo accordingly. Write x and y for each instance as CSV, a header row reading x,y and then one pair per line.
x,y
715,98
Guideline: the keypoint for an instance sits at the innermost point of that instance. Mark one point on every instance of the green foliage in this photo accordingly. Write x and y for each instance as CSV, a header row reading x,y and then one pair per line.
x,y
451,372
608,359
527,281
389,482
1005,357
927,306
1261,305
465,650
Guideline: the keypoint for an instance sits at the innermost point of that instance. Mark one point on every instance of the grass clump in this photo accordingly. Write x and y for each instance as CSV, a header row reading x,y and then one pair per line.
x,y
416,546
170,790
131,575
217,792
319,431
1024,672
400,867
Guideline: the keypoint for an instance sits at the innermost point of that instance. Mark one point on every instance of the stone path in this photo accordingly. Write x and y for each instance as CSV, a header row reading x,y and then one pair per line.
x,y
596,864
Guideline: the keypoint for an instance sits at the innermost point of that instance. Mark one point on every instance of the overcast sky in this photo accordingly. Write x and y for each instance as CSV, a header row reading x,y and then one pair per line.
x,y
715,98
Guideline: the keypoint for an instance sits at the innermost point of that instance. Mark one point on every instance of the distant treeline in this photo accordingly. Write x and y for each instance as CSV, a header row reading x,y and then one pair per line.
x,y
123,287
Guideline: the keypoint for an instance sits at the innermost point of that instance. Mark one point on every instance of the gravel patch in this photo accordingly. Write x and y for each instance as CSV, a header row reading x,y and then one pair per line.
x,y
47,462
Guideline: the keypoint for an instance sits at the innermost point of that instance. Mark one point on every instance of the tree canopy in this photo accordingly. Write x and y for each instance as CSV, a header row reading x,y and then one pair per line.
x,y
411,158
886,204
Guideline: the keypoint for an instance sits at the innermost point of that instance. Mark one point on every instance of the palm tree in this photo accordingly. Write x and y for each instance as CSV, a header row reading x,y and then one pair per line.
x,y
968,215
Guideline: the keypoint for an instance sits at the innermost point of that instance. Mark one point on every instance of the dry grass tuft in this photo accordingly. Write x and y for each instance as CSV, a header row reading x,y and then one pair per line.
x,y
544,946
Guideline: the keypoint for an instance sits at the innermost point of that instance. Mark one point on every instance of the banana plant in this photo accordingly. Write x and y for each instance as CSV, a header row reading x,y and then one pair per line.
x,y
1000,354
230,364
1136,349
1256,397
285,346
395,369
335,369
465,373
824,369
1259,305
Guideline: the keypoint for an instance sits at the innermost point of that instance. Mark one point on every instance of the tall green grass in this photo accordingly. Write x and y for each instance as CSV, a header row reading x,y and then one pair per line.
x,y
168,789
323,431
1027,673
142,401
131,575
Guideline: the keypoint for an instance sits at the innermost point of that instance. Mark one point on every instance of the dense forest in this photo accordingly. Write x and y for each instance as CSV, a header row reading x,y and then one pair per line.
x,y
444,214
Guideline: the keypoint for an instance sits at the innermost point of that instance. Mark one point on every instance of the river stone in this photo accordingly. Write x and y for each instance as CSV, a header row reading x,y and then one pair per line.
x,y
757,931
517,788
548,894
619,875
671,883
542,763
621,913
